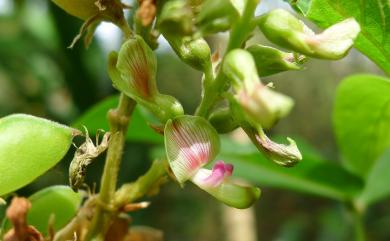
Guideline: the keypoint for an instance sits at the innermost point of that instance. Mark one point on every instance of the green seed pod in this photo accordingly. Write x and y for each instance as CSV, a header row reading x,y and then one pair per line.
x,y
222,120
272,61
29,146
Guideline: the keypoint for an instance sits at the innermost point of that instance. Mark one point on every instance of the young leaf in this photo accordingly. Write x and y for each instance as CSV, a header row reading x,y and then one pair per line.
x,y
95,118
377,186
373,17
312,175
361,120
61,202
29,146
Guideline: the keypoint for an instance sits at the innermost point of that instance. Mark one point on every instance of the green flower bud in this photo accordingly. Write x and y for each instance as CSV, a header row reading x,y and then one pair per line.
x,y
223,121
133,72
194,52
218,15
176,18
239,66
271,60
282,28
284,155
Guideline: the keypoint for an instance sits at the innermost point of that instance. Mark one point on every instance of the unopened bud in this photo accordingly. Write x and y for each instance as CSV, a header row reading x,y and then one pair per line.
x,y
218,15
282,28
272,61
239,66
284,155
194,52
176,18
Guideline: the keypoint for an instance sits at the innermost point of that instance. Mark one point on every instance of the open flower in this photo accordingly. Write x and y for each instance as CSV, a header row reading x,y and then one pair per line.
x,y
191,143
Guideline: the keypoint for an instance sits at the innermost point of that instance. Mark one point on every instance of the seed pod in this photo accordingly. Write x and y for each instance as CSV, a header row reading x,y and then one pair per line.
x,y
29,146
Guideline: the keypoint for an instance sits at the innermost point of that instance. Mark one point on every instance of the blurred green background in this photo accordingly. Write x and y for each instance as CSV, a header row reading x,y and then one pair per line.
x,y
40,76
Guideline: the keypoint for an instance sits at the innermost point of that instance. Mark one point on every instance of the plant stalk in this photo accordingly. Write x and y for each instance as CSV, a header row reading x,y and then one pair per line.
x,y
238,36
118,120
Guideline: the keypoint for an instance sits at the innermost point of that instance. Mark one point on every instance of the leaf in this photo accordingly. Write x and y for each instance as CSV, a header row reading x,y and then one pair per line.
x,y
377,185
372,15
361,120
61,202
95,118
312,175
29,146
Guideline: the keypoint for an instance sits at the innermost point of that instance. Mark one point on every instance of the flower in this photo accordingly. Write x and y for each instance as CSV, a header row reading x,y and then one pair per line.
x,y
191,143
282,28
133,72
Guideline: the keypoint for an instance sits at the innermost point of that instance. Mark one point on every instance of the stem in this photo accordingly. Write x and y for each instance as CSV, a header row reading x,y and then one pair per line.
x,y
238,36
360,232
118,120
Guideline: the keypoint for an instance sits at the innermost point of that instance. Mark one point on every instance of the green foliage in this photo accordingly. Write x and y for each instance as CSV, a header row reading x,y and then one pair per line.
x,y
58,202
377,185
361,120
312,175
95,119
373,17
29,146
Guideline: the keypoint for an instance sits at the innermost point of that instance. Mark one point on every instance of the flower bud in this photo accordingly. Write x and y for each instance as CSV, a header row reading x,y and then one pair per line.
x,y
282,28
263,105
270,60
239,66
194,52
260,104
284,155
222,120
216,182
190,143
218,15
133,72
176,18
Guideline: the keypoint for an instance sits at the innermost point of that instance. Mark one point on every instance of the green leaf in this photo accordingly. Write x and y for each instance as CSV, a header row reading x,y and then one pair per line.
x,y
377,185
61,202
361,120
372,15
95,118
29,146
312,175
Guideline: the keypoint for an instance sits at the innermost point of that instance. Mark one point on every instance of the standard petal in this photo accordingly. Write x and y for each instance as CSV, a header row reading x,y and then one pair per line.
x,y
190,143
137,64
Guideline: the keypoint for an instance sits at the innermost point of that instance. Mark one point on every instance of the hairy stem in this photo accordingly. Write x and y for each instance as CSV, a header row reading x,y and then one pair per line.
x,y
119,120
